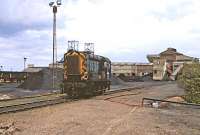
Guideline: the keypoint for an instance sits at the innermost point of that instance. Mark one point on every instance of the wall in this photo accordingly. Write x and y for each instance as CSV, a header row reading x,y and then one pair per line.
x,y
158,68
131,69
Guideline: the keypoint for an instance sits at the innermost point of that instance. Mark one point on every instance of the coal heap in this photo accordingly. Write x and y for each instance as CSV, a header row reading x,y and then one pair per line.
x,y
116,80
42,79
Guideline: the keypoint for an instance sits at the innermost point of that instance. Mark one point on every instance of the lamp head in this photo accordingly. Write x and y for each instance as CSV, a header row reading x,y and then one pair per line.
x,y
51,4
59,2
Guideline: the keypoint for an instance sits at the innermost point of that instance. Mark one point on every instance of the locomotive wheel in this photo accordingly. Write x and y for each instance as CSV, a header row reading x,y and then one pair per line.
x,y
69,93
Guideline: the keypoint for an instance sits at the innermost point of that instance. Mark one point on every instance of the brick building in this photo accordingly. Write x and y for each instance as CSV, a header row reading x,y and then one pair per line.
x,y
131,69
168,63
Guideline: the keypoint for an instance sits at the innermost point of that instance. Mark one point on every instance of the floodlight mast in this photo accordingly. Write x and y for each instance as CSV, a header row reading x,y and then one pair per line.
x,y
25,62
54,5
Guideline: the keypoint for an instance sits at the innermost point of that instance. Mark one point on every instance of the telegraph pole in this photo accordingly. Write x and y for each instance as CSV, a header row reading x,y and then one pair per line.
x,y
54,5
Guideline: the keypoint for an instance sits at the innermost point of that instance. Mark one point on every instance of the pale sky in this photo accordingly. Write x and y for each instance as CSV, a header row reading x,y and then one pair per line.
x,y
123,30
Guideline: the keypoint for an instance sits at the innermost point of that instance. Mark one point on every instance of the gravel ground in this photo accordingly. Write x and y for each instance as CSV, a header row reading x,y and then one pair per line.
x,y
113,116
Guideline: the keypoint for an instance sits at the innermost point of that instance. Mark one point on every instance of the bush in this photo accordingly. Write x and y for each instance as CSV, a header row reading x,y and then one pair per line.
x,y
190,80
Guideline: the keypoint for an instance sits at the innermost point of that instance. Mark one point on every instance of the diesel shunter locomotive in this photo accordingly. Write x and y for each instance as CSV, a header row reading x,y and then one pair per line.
x,y
85,74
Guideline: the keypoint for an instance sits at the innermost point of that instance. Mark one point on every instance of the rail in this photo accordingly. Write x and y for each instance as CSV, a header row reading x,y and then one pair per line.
x,y
30,105
32,96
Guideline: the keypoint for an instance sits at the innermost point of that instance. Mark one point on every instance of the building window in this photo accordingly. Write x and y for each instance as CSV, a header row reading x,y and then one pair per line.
x,y
155,71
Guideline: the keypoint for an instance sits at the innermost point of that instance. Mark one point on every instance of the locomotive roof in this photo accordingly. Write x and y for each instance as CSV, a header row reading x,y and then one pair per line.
x,y
99,57
92,55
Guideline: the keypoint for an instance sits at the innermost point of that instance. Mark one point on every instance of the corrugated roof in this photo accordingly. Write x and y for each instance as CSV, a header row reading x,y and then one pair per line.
x,y
129,63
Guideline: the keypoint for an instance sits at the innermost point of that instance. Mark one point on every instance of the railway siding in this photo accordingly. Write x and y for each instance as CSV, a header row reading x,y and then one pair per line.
x,y
29,99
117,114
29,102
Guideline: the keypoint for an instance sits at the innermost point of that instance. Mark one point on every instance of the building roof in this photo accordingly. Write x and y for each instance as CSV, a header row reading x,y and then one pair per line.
x,y
184,58
152,56
34,69
171,51
129,63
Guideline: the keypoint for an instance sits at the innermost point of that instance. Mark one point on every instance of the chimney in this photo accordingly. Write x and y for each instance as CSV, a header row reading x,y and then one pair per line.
x,y
171,49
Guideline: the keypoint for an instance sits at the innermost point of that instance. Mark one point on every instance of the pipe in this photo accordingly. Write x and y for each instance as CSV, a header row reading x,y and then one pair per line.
x,y
181,103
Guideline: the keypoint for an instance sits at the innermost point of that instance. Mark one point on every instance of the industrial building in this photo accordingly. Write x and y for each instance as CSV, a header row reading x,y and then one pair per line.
x,y
57,65
168,63
131,69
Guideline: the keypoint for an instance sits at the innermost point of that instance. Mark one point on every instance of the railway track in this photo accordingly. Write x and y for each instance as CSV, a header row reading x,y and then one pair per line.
x,y
26,103
30,102
122,90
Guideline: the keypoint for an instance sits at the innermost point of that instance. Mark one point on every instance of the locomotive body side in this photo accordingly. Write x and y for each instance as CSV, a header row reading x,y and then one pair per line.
x,y
85,74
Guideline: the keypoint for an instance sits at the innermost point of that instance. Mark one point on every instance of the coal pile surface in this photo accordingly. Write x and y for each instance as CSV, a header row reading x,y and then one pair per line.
x,y
116,80
43,79
144,78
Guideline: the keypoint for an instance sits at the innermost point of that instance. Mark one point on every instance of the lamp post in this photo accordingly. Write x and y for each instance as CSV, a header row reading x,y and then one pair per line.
x,y
25,62
1,68
54,5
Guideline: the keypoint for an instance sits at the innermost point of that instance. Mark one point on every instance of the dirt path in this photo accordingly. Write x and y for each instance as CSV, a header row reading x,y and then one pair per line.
x,y
97,116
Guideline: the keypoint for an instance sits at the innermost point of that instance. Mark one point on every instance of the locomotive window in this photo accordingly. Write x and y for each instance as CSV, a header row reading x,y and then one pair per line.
x,y
96,66
90,66
93,66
